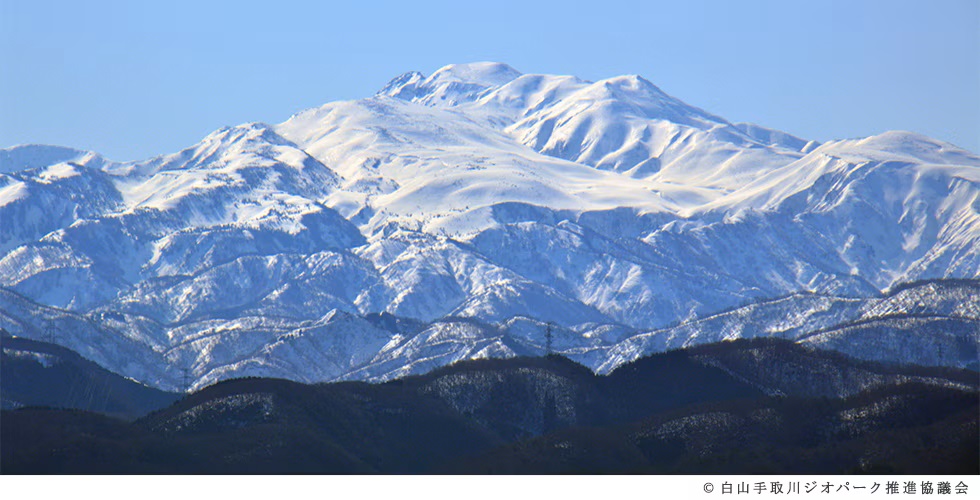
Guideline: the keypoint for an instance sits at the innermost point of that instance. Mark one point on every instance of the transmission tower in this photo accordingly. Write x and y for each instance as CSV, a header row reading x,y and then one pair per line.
x,y
547,340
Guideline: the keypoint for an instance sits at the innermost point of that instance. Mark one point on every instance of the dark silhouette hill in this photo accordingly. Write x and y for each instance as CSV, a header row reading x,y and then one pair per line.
x,y
36,373
760,406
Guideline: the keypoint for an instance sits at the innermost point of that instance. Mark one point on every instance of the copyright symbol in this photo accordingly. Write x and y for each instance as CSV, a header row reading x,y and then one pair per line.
x,y
708,487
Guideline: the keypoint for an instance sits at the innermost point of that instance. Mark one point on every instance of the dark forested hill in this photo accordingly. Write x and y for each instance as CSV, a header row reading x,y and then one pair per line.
x,y
761,406
36,373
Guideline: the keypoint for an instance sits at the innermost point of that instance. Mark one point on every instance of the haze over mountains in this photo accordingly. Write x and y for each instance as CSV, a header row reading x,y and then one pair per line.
x,y
472,207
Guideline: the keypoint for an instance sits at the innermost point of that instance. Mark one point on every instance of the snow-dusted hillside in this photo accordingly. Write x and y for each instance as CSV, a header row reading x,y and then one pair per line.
x,y
608,208
931,323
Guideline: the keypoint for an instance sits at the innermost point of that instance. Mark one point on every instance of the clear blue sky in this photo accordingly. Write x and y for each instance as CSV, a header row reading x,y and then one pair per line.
x,y
136,79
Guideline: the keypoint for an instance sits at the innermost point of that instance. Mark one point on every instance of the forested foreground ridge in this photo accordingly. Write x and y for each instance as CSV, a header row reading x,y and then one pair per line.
x,y
761,406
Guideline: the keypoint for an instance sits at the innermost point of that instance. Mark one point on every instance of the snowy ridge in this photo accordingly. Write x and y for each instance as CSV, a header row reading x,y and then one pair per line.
x,y
930,323
478,194
34,156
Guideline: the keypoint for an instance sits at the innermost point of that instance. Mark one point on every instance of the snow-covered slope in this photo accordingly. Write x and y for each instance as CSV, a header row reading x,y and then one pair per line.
x,y
476,194
930,323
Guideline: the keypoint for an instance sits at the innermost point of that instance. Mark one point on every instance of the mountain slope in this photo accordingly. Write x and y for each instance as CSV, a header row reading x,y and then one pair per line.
x,y
929,323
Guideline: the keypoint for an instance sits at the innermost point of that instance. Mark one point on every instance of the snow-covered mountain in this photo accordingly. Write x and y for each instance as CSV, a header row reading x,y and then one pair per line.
x,y
474,201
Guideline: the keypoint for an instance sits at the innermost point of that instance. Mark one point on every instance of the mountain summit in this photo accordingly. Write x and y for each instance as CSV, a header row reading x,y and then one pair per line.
x,y
476,205
453,84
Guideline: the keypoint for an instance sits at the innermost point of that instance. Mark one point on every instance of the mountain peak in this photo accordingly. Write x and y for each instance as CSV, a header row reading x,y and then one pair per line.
x,y
32,156
402,85
490,74
901,145
633,88
244,133
453,84
631,81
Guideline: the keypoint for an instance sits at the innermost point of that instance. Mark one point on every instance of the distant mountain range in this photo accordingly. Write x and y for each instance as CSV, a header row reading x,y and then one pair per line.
x,y
468,213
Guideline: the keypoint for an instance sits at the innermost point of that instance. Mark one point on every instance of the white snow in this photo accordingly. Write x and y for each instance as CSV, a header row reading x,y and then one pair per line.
x,y
12,192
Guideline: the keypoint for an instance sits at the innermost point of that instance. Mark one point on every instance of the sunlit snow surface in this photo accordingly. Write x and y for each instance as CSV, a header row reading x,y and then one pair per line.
x,y
609,208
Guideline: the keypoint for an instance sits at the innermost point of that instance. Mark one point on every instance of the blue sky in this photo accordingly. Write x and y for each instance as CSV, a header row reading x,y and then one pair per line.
x,y
136,79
